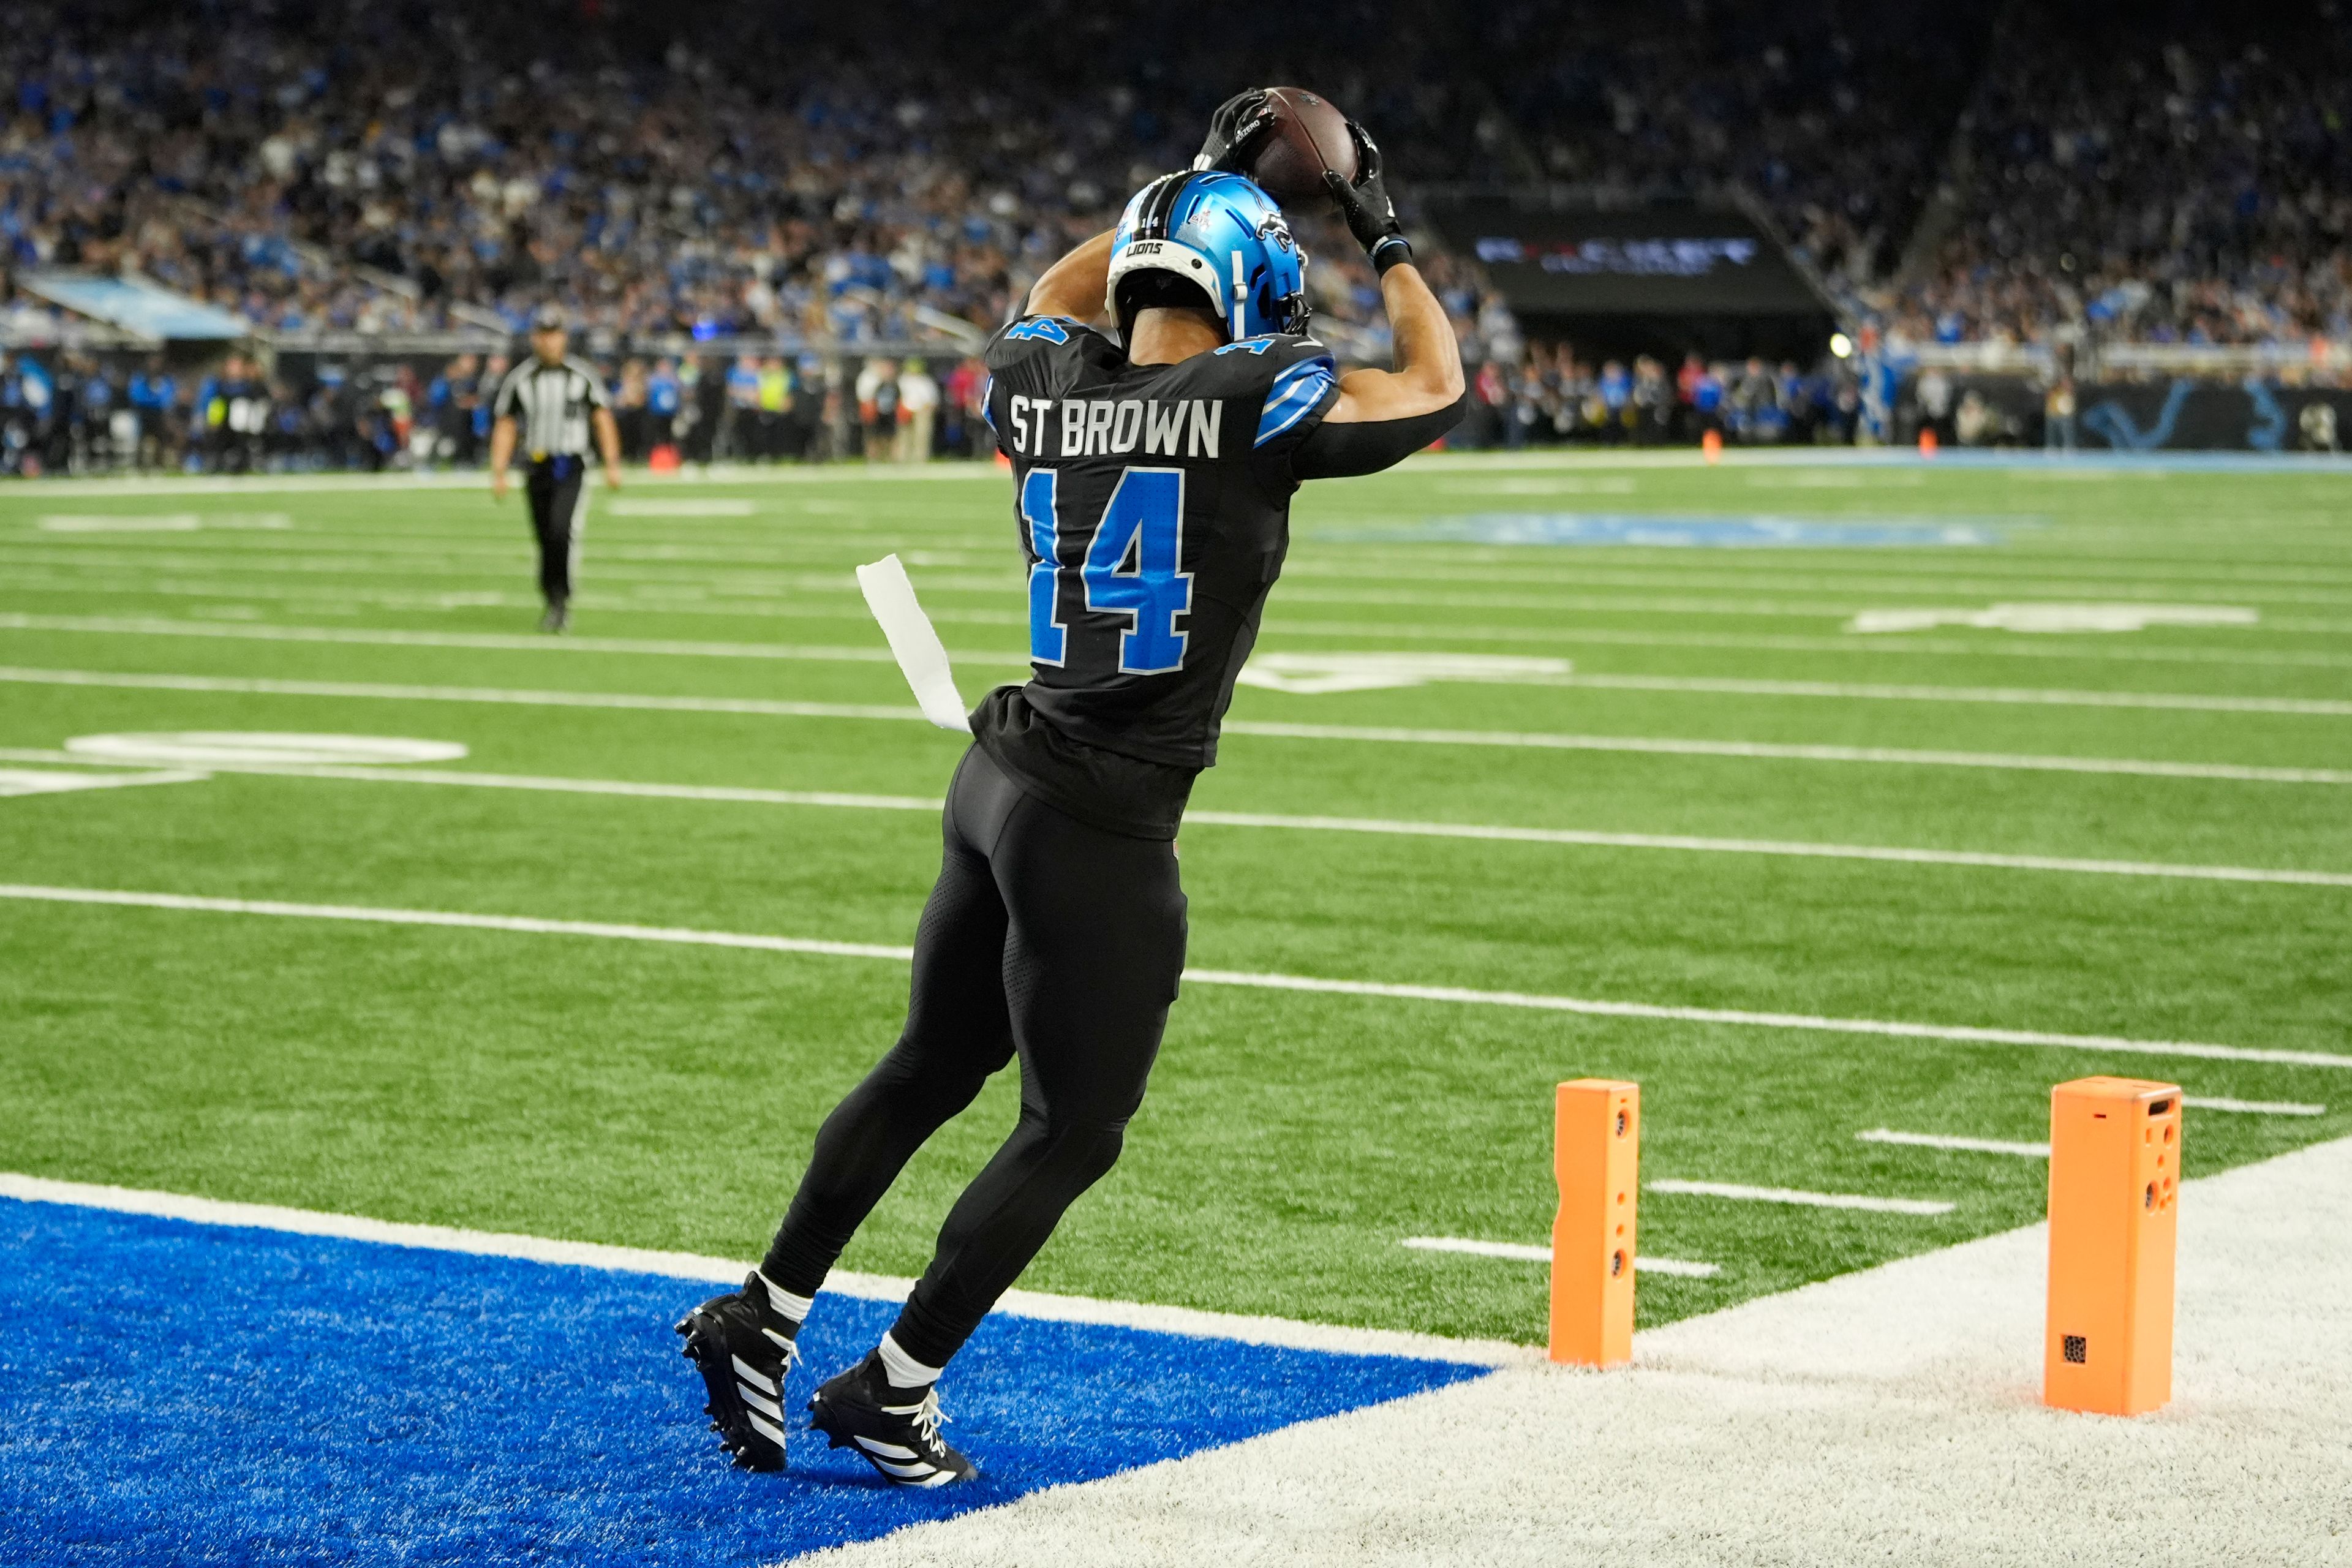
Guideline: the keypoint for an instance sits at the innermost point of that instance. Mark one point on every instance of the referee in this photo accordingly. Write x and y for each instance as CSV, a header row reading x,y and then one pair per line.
x,y
552,402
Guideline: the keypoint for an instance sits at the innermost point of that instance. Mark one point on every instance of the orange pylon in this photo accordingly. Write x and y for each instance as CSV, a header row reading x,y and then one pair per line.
x,y
1596,1148
2114,1221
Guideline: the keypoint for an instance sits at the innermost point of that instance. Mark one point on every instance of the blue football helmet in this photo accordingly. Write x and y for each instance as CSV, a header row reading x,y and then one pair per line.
x,y
1210,237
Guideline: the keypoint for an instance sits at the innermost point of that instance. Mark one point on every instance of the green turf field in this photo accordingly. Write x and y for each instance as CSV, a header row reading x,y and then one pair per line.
x,y
663,1095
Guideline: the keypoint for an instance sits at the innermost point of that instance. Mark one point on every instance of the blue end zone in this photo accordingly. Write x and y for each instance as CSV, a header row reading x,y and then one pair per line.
x,y
175,1393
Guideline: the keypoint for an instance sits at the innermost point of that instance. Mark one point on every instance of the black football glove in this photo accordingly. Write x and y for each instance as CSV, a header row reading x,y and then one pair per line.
x,y
1370,213
1238,122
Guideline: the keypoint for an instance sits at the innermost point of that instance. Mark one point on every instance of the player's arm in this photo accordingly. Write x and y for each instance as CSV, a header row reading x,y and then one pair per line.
x,y
601,422
502,445
608,443
1428,374
1382,416
1076,285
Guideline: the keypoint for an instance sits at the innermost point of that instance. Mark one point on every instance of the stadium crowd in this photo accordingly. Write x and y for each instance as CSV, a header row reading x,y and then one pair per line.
x,y
2190,184
708,190
416,166
1831,113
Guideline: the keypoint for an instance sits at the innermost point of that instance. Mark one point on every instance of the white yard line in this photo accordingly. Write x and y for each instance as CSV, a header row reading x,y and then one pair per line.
x,y
694,1267
1770,751
678,600
768,708
1386,991
2182,702
1520,1252
745,794
1966,572
763,545
1284,627
2253,1106
2136,582
2070,648
750,575
17,781
374,915
460,778
502,567
520,642
1740,1192
1948,1141
252,631
1671,605
1887,853
761,707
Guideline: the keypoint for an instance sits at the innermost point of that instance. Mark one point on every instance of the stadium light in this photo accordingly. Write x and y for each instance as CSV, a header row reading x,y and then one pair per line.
x,y
1841,345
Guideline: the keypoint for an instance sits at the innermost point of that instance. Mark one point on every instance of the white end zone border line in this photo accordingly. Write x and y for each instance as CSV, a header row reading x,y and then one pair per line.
x,y
753,795
1964,1034
767,708
1182,1320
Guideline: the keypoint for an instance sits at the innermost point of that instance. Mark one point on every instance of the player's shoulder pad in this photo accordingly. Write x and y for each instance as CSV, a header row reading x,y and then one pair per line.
x,y
1300,379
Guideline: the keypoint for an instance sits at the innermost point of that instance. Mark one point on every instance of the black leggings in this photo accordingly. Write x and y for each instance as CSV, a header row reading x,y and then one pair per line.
x,y
555,490
1044,936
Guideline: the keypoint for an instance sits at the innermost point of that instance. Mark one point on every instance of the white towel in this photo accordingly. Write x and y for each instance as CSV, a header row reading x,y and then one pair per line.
x,y
923,658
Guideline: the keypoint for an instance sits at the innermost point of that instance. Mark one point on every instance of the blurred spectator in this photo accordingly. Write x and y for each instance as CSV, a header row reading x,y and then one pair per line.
x,y
2058,415
878,408
665,397
919,409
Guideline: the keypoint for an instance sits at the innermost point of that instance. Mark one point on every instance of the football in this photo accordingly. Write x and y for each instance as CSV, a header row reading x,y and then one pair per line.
x,y
1309,135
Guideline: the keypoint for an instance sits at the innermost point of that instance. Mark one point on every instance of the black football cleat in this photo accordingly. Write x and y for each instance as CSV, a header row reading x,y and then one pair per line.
x,y
558,619
743,1352
860,1411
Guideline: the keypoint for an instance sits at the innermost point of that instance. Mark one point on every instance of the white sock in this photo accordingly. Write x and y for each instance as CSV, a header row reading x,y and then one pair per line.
x,y
905,1371
792,1308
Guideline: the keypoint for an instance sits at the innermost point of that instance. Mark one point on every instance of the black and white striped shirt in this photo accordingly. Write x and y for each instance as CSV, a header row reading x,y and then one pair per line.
x,y
551,404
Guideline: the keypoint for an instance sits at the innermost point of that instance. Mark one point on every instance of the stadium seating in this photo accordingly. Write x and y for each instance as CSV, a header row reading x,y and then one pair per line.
x,y
375,173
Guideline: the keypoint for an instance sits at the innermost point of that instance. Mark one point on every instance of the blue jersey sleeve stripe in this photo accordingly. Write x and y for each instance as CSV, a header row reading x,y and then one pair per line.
x,y
1281,415
988,404
1296,394
1291,375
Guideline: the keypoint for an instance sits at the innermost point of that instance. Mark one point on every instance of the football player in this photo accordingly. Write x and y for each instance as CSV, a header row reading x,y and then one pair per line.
x,y
1152,472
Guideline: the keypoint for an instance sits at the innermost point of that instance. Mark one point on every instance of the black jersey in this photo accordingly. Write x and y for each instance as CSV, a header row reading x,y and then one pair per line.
x,y
1153,508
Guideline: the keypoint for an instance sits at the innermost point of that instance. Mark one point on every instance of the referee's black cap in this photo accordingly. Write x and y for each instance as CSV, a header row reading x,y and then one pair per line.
x,y
548,318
